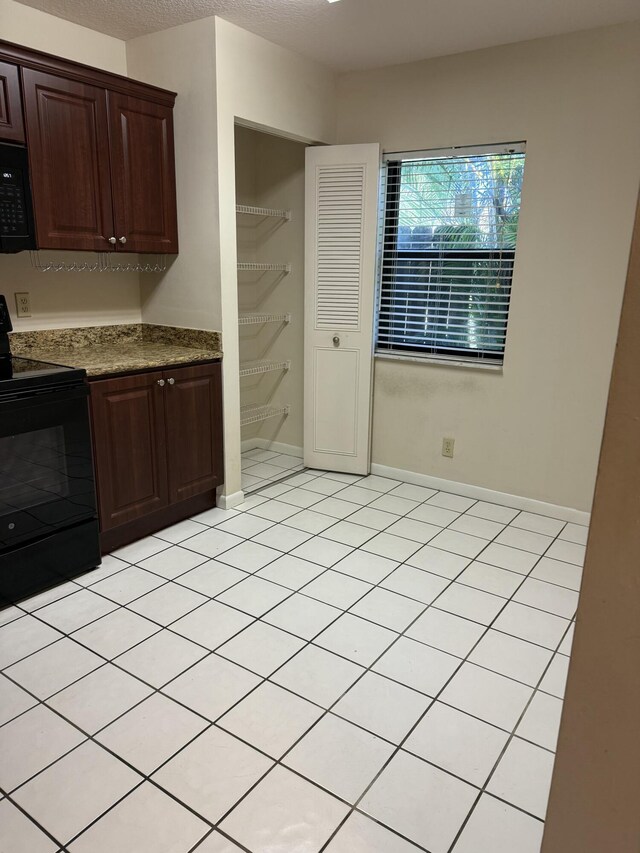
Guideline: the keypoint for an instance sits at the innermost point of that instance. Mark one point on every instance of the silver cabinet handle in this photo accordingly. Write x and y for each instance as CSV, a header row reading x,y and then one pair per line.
x,y
123,240
336,341
112,240
171,381
161,383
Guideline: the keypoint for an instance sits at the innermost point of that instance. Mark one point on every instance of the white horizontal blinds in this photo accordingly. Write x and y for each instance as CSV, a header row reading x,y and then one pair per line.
x,y
448,246
340,217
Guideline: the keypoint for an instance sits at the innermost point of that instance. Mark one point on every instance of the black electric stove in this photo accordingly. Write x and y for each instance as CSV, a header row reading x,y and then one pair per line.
x,y
17,374
48,517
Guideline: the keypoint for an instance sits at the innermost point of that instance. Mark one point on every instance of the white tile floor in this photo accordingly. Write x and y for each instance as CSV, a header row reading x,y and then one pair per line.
x,y
262,466
342,664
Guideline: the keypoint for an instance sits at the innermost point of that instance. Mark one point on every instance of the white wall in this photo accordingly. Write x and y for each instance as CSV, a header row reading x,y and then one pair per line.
x,y
265,85
221,73
66,299
40,31
533,430
63,300
182,59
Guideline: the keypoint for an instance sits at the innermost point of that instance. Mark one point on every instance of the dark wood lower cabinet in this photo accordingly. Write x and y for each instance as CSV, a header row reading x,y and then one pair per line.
x,y
193,399
129,447
157,448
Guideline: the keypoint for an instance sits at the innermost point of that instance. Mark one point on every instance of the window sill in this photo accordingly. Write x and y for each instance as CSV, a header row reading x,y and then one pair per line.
x,y
442,361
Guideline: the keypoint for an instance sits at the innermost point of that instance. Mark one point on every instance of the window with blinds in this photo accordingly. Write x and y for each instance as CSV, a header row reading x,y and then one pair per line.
x,y
448,245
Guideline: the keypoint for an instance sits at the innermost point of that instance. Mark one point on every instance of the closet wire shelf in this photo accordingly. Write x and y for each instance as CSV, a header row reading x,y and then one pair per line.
x,y
254,414
256,319
253,368
247,266
263,211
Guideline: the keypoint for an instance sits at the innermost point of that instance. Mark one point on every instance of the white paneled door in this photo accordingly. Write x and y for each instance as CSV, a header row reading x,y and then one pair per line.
x,y
341,204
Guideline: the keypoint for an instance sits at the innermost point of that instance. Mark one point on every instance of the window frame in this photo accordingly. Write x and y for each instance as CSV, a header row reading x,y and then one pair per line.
x,y
389,225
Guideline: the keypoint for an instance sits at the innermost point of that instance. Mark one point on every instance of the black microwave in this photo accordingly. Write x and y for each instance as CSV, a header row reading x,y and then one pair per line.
x,y
17,229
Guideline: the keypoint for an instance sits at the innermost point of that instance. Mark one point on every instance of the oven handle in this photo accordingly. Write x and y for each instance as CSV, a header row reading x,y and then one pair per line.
x,y
29,398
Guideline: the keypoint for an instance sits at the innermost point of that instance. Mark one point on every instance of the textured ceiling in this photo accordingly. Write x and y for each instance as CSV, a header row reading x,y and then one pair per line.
x,y
354,34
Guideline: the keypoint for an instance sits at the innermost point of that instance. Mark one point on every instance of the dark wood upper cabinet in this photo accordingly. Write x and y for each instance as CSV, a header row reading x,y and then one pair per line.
x,y
129,438
143,175
101,153
69,157
193,396
11,123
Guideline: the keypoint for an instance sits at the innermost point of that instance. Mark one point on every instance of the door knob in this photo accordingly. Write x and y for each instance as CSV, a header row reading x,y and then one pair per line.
x,y
336,341
161,383
112,240
123,240
171,381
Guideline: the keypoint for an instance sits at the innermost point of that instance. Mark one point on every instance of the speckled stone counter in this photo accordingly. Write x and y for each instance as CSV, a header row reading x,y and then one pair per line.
x,y
108,350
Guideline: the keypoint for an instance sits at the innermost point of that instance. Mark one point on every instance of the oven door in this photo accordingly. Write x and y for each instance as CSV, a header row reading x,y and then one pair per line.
x,y
46,464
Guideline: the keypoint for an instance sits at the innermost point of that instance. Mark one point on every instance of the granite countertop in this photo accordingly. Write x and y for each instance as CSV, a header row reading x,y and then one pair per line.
x,y
108,350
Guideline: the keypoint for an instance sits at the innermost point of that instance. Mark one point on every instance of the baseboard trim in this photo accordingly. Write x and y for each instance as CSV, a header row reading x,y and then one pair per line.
x,y
229,501
564,513
276,446
123,534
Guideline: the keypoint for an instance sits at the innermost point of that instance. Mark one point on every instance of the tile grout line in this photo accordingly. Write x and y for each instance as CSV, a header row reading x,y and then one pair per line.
x,y
157,690
367,669
61,847
254,573
180,543
483,789
147,777
253,747
168,625
384,652
257,619
355,806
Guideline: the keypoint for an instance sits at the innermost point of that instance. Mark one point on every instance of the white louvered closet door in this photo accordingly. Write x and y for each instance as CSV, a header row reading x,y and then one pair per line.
x,y
341,208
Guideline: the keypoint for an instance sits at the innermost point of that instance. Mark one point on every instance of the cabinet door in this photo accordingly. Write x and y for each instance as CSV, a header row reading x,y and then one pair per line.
x,y
68,138
11,124
144,184
129,447
194,429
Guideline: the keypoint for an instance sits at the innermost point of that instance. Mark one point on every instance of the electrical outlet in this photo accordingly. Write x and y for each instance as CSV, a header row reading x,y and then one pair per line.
x,y
23,305
447,447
